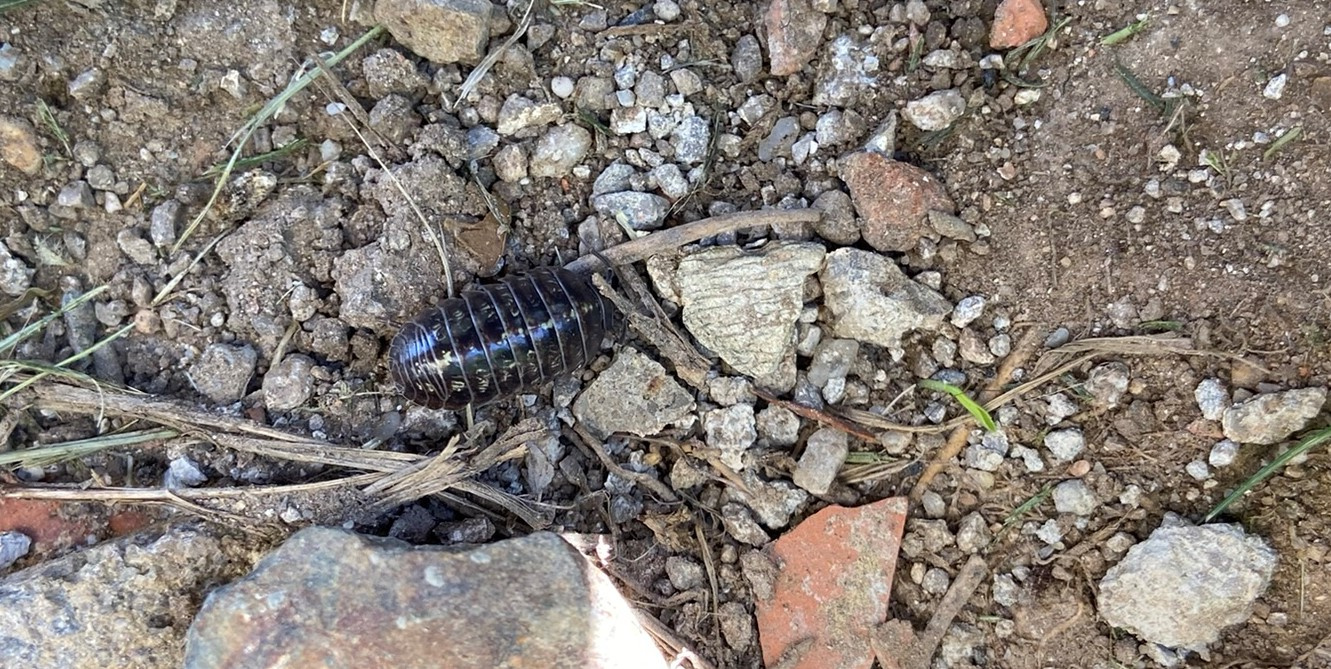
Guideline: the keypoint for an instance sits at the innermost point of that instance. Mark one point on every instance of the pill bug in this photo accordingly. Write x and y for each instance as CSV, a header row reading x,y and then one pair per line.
x,y
496,340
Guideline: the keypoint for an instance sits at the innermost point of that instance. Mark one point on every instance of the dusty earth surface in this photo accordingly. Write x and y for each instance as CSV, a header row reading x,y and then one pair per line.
x,y
1103,215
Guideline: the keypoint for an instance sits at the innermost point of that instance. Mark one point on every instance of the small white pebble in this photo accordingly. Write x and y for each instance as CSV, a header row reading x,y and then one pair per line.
x,y
1282,20
561,86
1223,453
1198,470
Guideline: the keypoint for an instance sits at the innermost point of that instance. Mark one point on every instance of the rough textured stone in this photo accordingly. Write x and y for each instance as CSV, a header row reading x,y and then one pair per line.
x,y
833,577
634,395
1271,418
443,31
936,111
642,211
289,383
223,372
330,598
559,149
124,603
1185,584
731,431
18,145
824,453
1017,22
744,305
893,198
794,32
873,301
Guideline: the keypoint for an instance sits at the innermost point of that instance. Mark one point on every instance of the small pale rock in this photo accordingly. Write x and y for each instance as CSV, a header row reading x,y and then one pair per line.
x,y
562,87
1275,88
779,426
671,181
519,113
744,306
973,533
973,349
1074,497
873,301
443,31
824,453
328,597
634,395
559,149
1223,453
1212,398
1065,445
1017,22
794,33
616,177
893,198
628,120
642,211
289,384
732,432
832,360
951,226
936,111
18,145
1197,469
13,545
967,310
1050,532
15,275
691,138
837,224
1271,418
223,372
1183,585
739,523
833,585
183,473
510,163
1107,383
76,195
747,58
684,574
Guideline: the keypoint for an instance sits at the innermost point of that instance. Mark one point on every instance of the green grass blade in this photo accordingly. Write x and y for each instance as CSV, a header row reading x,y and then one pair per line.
x,y
69,450
1307,443
1125,33
980,414
1281,141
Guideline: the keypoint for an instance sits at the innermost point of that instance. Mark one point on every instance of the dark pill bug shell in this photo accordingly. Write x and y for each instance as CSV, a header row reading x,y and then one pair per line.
x,y
494,341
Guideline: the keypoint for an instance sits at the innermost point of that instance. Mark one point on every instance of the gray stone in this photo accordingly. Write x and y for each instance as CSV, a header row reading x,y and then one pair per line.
x,y
328,597
1059,407
394,117
124,603
779,426
289,384
951,226
1065,445
744,306
1074,497
1049,532
481,142
937,110
87,84
162,223
15,275
1197,469
1271,418
183,473
562,87
223,372
832,360
987,455
846,74
1212,398
755,108
824,453
102,178
773,502
1107,383
137,248
740,525
967,310
519,113
634,395
443,31
628,120
13,545
614,178
1223,453
731,431
736,622
686,81
671,181
873,301
684,574
1183,585
511,164
559,149
1006,590
640,211
779,140
837,224
691,138
973,533
747,58
76,195
933,504
936,582
388,71
973,349
728,390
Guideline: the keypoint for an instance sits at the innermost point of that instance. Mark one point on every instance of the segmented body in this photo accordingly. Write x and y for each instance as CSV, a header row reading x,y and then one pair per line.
x,y
497,340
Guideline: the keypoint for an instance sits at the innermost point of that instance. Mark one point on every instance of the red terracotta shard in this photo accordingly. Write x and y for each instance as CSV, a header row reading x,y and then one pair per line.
x,y
1017,22
834,579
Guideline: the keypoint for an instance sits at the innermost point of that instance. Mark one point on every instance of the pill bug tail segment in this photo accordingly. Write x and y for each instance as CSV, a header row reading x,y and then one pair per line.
x,y
495,341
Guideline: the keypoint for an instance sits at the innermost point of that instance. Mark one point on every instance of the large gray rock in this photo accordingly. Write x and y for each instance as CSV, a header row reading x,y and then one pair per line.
x,y
873,301
330,598
1271,418
744,305
124,603
1185,584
